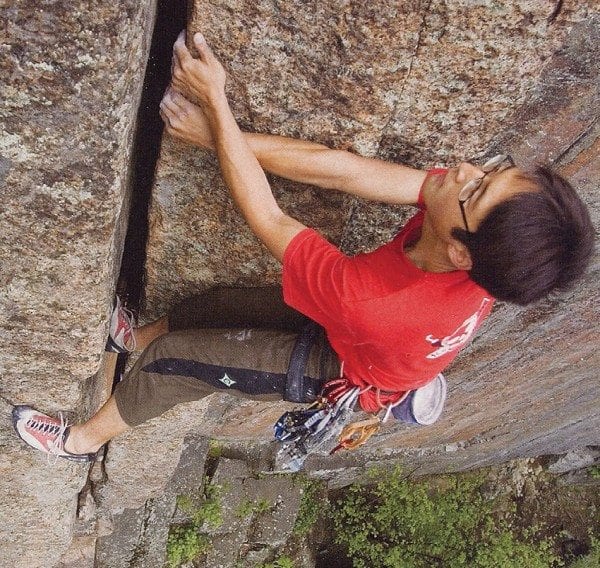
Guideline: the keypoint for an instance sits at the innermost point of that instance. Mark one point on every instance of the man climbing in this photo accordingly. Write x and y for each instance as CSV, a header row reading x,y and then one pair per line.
x,y
394,318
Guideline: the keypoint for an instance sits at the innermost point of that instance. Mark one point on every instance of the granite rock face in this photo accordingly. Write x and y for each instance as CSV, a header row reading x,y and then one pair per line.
x,y
426,84
72,74
69,102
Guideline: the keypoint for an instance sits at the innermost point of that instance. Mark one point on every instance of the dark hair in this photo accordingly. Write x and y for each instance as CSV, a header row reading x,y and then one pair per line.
x,y
532,243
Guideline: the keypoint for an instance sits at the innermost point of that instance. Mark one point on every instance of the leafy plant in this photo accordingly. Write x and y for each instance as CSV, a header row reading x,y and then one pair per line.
x,y
215,449
185,542
404,524
211,510
249,507
281,562
312,505
594,472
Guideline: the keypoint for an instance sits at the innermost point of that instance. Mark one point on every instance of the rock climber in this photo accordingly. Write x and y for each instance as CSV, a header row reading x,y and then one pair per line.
x,y
394,318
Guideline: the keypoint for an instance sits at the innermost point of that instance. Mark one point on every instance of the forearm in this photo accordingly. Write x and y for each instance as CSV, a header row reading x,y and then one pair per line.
x,y
248,184
316,164
297,160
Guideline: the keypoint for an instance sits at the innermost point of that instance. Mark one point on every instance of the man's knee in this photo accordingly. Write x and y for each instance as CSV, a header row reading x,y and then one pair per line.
x,y
165,346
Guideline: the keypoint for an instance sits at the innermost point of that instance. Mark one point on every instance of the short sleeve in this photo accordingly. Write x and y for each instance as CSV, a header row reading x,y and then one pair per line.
x,y
313,278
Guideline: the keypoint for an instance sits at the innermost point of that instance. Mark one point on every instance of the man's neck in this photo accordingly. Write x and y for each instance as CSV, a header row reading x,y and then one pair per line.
x,y
429,252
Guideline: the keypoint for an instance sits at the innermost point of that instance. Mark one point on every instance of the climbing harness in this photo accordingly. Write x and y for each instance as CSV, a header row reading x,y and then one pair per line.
x,y
326,426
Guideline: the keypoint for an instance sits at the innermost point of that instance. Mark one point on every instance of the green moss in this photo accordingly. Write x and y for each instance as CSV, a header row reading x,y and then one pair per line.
x,y
184,544
215,449
249,508
211,510
594,472
281,562
314,503
184,502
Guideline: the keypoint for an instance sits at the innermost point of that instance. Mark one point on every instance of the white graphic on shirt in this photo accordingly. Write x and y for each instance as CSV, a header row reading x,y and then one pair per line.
x,y
460,336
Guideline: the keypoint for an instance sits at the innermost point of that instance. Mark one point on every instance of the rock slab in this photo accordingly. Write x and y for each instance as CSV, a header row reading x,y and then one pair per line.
x,y
72,75
423,84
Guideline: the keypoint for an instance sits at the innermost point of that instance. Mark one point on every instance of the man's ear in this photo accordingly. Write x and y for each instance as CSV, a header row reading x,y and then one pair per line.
x,y
459,255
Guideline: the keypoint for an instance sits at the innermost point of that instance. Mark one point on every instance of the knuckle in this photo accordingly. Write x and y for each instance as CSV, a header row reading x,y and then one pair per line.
x,y
187,65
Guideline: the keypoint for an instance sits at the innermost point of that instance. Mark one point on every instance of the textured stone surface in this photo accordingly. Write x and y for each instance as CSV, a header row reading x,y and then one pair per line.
x,y
423,83
447,82
72,75
71,86
139,538
258,515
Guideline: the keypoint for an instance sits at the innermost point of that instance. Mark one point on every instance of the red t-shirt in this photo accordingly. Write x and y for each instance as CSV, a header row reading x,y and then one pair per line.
x,y
393,325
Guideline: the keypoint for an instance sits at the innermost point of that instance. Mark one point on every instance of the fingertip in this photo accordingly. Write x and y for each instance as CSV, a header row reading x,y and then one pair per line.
x,y
199,39
179,46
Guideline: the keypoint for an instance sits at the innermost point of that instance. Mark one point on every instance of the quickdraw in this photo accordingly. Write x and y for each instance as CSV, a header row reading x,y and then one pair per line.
x,y
356,434
325,426
313,429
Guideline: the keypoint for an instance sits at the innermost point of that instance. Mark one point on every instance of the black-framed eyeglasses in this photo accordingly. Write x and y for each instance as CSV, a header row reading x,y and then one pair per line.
x,y
496,164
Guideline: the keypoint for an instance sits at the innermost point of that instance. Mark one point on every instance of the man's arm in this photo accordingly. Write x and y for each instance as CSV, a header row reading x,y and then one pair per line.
x,y
312,163
205,79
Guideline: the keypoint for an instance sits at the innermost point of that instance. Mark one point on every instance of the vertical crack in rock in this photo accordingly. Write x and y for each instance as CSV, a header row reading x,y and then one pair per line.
x,y
170,20
555,13
357,207
141,544
576,143
418,44
413,57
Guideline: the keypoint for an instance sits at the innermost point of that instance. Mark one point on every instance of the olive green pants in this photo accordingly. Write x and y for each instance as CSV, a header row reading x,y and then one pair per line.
x,y
242,341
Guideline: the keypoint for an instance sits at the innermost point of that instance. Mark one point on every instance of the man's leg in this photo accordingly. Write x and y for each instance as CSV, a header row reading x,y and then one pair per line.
x,y
190,364
261,307
180,367
146,334
90,436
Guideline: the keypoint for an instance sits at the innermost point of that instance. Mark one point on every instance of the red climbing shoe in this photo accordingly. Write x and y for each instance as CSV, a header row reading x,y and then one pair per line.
x,y
45,433
120,333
